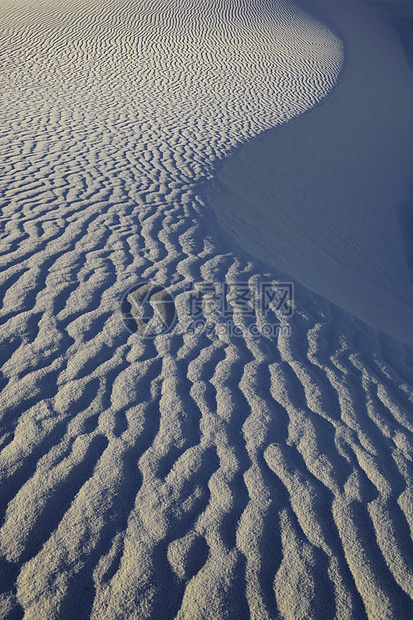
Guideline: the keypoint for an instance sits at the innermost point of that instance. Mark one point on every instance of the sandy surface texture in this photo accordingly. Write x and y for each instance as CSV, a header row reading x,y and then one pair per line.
x,y
206,309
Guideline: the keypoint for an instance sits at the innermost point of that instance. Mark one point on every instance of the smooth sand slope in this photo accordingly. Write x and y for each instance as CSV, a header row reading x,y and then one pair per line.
x,y
331,200
186,476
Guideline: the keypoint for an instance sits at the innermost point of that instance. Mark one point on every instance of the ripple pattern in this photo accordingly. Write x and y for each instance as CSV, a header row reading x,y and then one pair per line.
x,y
185,477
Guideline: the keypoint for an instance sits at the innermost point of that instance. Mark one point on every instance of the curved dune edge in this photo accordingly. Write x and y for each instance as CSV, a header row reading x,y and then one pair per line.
x,y
320,197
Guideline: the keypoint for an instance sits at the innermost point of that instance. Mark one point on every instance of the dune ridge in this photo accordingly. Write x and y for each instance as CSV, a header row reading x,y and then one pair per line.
x,y
331,202
182,476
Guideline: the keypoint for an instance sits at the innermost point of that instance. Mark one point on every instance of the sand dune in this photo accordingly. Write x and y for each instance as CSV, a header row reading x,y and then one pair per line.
x,y
207,475
335,186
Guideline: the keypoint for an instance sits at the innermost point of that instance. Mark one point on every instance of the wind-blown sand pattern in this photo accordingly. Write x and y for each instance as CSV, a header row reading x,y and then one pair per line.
x,y
183,476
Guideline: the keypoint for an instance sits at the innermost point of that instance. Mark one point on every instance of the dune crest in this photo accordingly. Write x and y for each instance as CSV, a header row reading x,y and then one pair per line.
x,y
322,196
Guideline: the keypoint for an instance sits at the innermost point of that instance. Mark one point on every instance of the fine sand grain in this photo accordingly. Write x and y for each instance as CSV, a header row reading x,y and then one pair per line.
x,y
217,475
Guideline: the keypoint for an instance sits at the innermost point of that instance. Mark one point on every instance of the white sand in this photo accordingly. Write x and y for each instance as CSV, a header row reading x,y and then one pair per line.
x,y
335,183
196,477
